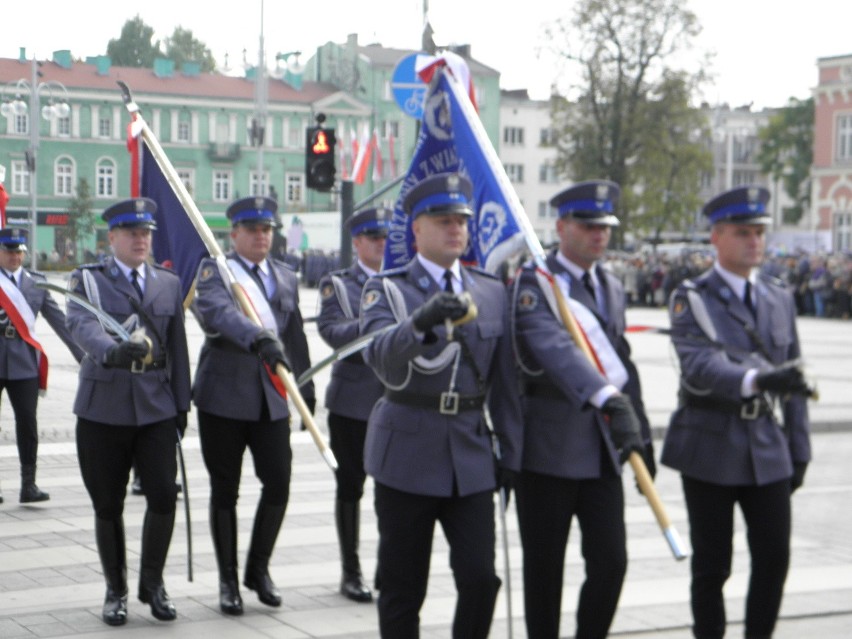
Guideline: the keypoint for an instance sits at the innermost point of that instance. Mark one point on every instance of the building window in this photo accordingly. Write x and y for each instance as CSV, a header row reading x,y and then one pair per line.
x,y
104,126
513,136
63,171
21,124
184,129
187,176
258,184
105,179
20,178
844,137
63,127
547,173
390,129
744,178
543,209
294,187
843,231
547,137
222,185
515,173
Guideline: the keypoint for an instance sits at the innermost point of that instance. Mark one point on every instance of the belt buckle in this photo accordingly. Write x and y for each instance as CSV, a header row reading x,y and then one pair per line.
x,y
449,403
137,367
10,332
750,409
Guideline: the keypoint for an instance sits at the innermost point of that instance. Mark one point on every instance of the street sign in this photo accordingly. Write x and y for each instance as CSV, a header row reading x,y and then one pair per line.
x,y
408,89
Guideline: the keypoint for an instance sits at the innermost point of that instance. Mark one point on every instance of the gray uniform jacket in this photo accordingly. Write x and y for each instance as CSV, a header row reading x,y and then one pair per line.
x,y
17,358
420,450
230,380
564,435
354,388
721,446
118,396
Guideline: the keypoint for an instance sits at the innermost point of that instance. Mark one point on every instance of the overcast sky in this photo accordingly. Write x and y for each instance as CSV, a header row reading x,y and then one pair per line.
x,y
765,51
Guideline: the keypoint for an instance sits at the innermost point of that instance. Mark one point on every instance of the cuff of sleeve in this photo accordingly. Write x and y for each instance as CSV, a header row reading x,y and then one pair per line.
x,y
747,386
599,398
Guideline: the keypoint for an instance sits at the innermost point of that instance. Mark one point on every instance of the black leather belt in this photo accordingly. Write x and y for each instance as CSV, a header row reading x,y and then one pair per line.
x,y
139,367
445,403
546,391
11,332
746,409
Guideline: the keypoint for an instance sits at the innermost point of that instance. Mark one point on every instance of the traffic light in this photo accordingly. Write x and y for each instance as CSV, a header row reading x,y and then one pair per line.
x,y
319,158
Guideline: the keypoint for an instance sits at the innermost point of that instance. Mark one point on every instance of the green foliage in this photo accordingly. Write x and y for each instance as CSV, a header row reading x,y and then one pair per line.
x,y
625,50
182,47
81,217
134,48
786,153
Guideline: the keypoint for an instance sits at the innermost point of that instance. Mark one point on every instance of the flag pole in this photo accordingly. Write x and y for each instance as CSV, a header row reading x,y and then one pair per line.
x,y
640,470
218,254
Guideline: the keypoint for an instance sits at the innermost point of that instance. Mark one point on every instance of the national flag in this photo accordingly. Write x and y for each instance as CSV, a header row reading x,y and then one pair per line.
x,y
378,164
4,200
362,160
392,157
452,139
176,244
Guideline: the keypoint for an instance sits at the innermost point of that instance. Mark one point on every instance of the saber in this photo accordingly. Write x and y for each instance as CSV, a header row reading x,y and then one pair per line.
x,y
216,252
107,320
643,478
185,486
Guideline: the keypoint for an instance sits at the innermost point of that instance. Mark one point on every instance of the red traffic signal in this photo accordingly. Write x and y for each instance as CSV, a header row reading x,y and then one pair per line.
x,y
319,158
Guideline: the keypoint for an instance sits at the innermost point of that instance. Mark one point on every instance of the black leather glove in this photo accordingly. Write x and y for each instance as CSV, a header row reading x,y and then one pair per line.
x,y
440,306
787,379
506,481
180,422
269,348
623,426
123,354
798,477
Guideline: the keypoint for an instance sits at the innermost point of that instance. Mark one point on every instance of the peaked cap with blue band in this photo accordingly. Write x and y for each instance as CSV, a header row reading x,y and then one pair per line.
x,y
137,212
13,239
742,205
253,210
440,194
591,202
373,222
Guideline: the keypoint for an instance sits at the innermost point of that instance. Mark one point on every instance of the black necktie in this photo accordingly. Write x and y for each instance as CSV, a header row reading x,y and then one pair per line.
x,y
587,283
747,300
448,281
11,277
256,270
134,280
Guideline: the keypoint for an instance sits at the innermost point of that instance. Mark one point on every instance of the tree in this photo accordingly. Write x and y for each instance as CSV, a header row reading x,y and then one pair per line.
x,y
134,48
81,217
624,49
182,47
786,153
674,157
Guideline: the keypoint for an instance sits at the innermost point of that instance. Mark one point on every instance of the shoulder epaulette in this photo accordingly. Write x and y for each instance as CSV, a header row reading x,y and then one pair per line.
x,y
37,274
393,272
482,271
92,266
160,267
775,281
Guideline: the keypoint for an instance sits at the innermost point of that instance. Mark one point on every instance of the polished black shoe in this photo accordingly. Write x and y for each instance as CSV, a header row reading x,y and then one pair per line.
x,y
161,606
353,587
266,590
115,608
230,601
30,493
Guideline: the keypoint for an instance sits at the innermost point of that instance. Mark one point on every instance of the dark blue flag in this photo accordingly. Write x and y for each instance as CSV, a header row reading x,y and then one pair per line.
x,y
452,139
176,243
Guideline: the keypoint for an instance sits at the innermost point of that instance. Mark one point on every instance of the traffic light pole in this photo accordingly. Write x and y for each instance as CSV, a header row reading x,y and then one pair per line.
x,y
347,207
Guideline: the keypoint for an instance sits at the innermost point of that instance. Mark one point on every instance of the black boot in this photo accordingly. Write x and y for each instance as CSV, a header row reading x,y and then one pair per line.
x,y
156,536
109,535
267,523
29,491
223,527
347,517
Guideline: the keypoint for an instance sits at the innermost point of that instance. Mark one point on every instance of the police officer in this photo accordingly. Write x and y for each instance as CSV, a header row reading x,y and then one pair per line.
x,y
23,363
241,401
428,445
580,422
354,388
132,400
735,335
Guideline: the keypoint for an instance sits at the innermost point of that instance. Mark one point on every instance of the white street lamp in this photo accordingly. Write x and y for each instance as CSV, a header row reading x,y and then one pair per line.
x,y
56,108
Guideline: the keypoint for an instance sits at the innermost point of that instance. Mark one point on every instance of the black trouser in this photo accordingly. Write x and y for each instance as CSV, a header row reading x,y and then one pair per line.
x,y
223,443
347,443
766,510
23,395
106,454
406,527
546,505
